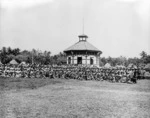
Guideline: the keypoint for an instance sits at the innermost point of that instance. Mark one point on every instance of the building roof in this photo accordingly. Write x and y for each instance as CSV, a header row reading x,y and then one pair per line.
x,y
82,45
83,36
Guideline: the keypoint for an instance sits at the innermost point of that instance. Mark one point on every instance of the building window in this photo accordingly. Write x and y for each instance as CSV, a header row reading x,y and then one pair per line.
x,y
91,61
69,60
79,59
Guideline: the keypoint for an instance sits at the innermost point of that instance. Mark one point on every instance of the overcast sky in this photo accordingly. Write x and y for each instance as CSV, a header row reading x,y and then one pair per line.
x,y
116,27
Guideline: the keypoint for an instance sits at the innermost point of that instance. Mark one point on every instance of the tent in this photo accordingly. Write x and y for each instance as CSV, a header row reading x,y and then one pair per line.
x,y
120,66
13,62
147,67
107,65
132,66
141,65
1,63
147,75
135,67
22,63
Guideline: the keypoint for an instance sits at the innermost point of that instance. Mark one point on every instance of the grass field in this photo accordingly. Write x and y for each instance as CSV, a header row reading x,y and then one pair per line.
x,y
57,98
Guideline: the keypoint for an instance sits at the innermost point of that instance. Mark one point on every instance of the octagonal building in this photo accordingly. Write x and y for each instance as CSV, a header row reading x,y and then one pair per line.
x,y
83,53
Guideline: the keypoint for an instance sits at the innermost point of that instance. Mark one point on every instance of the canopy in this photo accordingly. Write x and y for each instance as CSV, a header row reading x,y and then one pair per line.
x,y
13,62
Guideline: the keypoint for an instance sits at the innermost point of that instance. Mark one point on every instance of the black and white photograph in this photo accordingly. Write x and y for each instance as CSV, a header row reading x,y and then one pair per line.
x,y
74,58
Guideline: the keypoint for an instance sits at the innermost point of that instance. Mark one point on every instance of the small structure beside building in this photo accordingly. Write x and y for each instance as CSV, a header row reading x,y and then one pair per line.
x,y
83,53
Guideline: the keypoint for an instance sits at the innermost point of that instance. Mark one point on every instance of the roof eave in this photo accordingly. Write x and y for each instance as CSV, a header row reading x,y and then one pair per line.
x,y
83,50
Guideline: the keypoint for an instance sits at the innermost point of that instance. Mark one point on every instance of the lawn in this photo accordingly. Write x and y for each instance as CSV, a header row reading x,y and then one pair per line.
x,y
59,98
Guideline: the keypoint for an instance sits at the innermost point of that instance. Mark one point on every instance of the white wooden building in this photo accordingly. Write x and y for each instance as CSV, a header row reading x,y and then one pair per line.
x,y
83,53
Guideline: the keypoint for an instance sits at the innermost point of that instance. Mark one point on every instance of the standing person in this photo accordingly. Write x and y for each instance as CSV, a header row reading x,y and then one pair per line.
x,y
138,73
134,79
29,73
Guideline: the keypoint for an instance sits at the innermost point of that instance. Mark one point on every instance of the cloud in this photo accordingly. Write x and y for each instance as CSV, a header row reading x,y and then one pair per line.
x,y
12,4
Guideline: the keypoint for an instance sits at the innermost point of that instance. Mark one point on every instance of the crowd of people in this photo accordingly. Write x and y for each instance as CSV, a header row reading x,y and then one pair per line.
x,y
72,72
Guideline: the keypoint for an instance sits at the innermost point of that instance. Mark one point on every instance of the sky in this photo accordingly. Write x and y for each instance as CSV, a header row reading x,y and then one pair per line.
x,y
116,27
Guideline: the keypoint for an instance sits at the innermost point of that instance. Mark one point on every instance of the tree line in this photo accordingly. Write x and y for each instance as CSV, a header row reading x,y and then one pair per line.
x,y
33,56
45,57
143,60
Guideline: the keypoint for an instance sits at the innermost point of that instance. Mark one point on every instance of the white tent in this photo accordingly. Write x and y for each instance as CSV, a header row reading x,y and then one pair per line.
x,y
107,65
13,62
120,66
23,63
132,66
147,67
141,65
0,63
